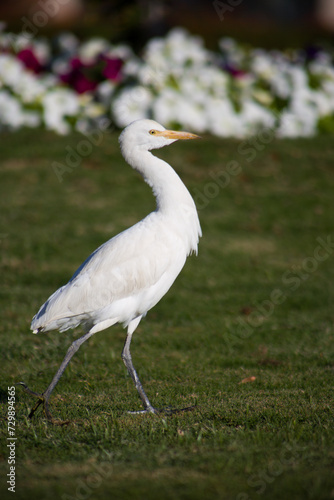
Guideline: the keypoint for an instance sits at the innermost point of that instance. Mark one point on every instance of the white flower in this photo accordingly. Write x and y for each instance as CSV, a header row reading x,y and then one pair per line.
x,y
213,80
165,106
328,89
172,107
121,51
230,47
131,104
28,87
58,104
221,119
68,42
254,116
299,78
176,81
280,85
152,76
42,50
105,91
174,51
262,65
290,125
184,48
89,51
31,118
10,69
298,123
190,114
324,104
61,66
132,67
15,41
11,114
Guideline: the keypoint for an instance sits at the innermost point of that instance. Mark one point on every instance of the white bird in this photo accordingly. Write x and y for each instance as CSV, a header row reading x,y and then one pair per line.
x,y
126,276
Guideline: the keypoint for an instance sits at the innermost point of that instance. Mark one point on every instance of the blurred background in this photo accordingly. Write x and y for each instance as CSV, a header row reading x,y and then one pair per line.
x,y
267,23
67,64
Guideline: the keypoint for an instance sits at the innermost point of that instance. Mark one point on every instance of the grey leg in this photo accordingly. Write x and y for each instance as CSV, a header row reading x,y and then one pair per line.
x,y
126,356
44,397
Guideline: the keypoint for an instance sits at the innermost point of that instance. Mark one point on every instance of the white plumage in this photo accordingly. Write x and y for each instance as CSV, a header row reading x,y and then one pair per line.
x,y
126,276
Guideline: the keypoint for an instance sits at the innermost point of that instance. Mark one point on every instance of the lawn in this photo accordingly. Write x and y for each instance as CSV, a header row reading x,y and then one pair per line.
x,y
245,334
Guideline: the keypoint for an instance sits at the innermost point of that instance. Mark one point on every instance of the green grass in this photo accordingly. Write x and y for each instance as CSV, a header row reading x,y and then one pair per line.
x,y
271,438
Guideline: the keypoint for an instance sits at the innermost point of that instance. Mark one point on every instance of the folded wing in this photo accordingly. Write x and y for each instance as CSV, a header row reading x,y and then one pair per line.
x,y
118,282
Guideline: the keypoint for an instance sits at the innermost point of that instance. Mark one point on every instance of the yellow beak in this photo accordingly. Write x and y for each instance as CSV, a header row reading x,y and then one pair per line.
x,y
173,134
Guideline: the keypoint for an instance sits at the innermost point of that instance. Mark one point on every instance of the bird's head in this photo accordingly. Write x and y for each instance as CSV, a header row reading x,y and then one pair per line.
x,y
149,134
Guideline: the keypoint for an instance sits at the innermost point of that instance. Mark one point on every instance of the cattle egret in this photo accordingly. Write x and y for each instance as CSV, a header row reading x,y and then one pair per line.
x,y
128,275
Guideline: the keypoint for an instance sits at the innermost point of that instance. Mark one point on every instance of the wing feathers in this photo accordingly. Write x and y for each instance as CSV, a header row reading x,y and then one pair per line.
x,y
123,270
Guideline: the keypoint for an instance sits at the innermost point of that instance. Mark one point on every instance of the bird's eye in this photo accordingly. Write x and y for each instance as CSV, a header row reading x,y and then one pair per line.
x,y
152,132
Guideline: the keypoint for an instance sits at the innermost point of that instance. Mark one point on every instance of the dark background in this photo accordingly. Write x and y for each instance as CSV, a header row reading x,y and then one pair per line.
x,y
268,23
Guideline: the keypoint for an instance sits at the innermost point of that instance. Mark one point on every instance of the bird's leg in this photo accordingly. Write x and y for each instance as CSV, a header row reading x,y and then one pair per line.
x,y
44,397
126,356
148,408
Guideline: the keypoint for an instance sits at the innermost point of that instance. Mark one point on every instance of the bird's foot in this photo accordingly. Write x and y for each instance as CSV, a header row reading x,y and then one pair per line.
x,y
42,400
148,409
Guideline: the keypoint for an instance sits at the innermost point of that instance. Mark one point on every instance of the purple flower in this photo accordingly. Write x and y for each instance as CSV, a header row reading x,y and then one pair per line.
x,y
30,60
312,52
84,77
233,71
78,77
112,69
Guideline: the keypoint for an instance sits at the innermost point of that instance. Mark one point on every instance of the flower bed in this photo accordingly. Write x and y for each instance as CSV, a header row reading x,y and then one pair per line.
x,y
66,84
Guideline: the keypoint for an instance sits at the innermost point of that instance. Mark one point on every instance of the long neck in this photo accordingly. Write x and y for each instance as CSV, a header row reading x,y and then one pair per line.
x,y
172,196
167,186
